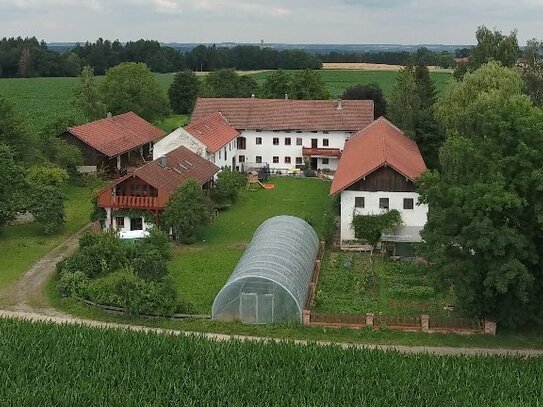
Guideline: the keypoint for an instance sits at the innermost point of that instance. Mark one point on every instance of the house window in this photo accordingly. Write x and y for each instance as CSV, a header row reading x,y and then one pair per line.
x,y
408,203
259,140
119,220
225,154
219,154
287,141
276,141
275,160
299,160
136,223
241,159
326,161
287,160
325,142
383,203
359,202
299,141
259,159
241,143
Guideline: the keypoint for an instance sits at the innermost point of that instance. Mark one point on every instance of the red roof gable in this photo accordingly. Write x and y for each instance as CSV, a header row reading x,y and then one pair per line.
x,y
118,134
379,144
181,165
212,130
281,114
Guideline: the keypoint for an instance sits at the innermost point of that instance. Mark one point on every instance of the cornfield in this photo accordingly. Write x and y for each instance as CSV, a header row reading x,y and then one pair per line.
x,y
60,365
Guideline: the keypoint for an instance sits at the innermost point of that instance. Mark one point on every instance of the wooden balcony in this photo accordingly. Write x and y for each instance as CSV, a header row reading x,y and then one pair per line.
x,y
134,202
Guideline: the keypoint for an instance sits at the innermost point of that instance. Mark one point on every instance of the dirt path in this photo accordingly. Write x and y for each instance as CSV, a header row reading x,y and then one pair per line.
x,y
438,351
27,292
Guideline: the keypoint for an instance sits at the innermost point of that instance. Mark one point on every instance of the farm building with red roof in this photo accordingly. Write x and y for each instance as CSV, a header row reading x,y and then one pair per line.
x,y
115,143
149,188
376,173
280,133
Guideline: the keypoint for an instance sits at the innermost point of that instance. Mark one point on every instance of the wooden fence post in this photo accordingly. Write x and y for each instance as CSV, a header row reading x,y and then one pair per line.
x,y
425,323
369,320
306,317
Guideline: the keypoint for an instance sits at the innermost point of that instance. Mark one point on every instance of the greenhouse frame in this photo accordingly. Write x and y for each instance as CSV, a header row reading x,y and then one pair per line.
x,y
270,283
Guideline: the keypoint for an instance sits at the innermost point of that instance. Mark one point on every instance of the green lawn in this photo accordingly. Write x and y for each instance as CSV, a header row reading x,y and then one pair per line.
x,y
22,245
349,284
172,122
201,269
339,80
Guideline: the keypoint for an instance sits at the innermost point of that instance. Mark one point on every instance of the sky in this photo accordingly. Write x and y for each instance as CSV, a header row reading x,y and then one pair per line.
x,y
283,21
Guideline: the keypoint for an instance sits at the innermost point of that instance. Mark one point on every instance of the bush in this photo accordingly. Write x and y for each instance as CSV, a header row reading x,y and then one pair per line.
x,y
150,265
227,186
73,284
136,295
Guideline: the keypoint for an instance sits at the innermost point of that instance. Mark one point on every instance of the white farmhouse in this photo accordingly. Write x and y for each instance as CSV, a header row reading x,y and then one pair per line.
x,y
376,173
210,137
280,132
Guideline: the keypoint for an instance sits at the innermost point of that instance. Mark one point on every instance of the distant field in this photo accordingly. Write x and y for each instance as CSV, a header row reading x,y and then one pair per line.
x,y
42,100
371,67
339,80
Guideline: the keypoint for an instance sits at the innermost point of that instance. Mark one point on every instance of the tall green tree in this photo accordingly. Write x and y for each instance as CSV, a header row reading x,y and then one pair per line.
x,y
14,134
308,84
227,83
183,92
277,85
368,92
11,185
532,70
188,209
485,225
131,86
88,97
405,103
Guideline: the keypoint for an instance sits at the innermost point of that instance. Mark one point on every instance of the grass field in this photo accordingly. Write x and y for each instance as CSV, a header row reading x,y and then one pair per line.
x,y
201,270
41,100
349,284
22,245
62,365
339,80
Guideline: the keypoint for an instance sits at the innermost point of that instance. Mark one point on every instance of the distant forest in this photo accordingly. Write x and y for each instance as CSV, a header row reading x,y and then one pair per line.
x,y
29,57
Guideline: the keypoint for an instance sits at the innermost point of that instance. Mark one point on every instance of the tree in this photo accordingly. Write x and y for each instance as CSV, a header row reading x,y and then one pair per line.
x,y
183,92
368,92
277,85
405,103
131,86
485,225
187,210
532,70
87,95
369,228
46,182
491,46
13,133
11,185
227,186
309,85
227,83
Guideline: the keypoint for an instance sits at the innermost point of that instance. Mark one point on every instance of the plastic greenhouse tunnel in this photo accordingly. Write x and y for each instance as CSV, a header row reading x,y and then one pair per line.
x,y
271,281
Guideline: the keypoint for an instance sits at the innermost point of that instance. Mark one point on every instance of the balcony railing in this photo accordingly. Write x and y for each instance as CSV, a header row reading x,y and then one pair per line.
x,y
140,202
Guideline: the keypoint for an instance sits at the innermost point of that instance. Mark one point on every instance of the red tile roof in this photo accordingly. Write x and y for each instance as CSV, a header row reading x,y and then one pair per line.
x,y
118,134
280,114
377,145
181,165
212,130
321,152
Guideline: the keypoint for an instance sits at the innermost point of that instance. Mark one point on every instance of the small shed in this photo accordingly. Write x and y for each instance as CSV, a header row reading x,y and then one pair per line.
x,y
271,281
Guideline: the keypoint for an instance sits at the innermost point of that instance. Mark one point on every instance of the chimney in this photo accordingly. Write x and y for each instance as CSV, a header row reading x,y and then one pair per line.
x,y
109,115
339,106
163,161
252,96
286,96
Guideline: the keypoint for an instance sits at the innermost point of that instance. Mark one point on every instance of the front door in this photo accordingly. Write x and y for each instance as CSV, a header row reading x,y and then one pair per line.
x,y
314,143
314,162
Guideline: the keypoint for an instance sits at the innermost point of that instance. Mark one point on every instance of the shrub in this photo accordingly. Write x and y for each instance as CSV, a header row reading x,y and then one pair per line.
x,y
73,284
150,265
227,186
420,292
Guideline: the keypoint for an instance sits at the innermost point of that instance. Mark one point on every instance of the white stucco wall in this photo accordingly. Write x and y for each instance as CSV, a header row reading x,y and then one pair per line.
x,y
267,150
125,232
223,157
410,217
177,138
